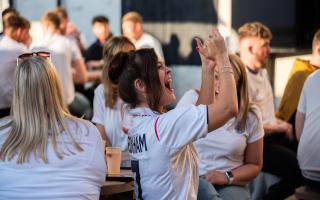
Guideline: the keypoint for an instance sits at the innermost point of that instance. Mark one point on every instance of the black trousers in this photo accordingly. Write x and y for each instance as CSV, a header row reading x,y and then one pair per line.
x,y
280,159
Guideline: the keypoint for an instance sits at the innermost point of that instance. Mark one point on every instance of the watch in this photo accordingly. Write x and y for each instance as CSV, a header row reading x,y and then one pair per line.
x,y
229,176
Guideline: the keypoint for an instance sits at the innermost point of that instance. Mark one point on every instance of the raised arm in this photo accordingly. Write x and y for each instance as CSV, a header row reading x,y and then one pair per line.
x,y
225,107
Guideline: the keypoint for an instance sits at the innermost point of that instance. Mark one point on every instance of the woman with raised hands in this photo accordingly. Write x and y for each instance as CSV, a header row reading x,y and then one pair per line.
x,y
163,158
231,156
45,153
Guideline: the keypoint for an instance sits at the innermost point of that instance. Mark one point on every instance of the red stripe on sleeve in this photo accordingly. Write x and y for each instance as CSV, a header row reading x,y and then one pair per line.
x,y
155,129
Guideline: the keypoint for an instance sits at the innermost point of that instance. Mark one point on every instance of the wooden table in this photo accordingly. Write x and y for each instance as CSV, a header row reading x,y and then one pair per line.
x,y
118,187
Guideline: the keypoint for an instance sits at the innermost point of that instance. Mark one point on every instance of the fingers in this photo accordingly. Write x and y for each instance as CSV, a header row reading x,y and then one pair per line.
x,y
200,47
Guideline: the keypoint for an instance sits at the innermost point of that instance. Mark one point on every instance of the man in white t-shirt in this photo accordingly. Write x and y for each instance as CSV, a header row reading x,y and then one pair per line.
x,y
66,56
279,150
308,129
12,44
132,28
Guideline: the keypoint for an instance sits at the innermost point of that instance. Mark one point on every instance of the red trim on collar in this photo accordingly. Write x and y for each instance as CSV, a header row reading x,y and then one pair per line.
x,y
155,129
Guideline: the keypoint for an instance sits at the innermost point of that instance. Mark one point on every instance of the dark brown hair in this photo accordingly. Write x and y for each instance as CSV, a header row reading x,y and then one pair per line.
x,y
13,22
125,68
110,49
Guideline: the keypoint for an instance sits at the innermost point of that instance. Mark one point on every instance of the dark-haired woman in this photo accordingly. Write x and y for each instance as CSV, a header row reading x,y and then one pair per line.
x,y
163,157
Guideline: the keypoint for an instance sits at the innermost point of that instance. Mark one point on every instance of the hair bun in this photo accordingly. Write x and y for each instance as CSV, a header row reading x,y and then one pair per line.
x,y
117,65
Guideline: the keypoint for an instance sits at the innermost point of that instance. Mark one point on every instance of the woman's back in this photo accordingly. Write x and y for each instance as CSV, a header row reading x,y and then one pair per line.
x,y
79,175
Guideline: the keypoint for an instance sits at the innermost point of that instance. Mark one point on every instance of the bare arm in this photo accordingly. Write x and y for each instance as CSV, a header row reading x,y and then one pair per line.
x,y
300,118
80,74
103,135
252,166
245,173
226,106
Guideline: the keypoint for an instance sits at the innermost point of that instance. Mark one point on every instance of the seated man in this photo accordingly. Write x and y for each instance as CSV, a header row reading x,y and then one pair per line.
x,y
132,28
100,28
299,73
278,159
308,129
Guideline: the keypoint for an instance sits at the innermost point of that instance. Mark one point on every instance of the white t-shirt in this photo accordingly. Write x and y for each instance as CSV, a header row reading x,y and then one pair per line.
x,y
76,176
260,93
109,118
148,41
164,160
9,51
308,149
63,52
224,148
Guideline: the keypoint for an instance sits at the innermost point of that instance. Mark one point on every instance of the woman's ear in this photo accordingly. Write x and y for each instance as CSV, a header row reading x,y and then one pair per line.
x,y
140,86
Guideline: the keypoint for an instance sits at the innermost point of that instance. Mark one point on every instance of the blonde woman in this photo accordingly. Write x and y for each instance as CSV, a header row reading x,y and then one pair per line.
x,y
107,104
45,153
232,156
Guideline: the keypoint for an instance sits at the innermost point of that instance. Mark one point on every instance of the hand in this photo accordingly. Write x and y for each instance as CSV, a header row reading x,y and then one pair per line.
x,y
286,128
215,177
214,47
204,61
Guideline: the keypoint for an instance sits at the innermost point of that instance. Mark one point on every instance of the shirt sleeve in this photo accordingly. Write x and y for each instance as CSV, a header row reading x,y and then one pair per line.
x,y
254,125
98,106
181,126
189,98
302,106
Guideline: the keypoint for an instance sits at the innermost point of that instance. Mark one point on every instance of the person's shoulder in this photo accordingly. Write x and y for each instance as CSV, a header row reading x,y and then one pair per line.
x,y
314,78
99,90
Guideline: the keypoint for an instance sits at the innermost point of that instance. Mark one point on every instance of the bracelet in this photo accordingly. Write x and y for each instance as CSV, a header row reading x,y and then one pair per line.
x,y
226,70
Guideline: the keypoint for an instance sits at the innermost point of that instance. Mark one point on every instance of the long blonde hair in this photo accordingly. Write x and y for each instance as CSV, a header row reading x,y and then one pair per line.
x,y
38,112
111,48
242,92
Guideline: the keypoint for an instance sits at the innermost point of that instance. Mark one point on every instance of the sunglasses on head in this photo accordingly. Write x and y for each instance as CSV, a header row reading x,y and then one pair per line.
x,y
43,54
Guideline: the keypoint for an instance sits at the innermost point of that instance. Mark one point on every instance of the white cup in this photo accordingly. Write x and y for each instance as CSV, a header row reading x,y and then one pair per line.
x,y
113,157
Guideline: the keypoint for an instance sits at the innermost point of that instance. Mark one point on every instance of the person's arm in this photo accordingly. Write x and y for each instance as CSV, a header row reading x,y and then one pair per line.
x,y
245,173
80,74
279,126
300,118
103,135
226,106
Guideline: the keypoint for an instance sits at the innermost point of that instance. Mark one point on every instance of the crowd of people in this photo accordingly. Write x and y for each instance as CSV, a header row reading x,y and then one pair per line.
x,y
214,143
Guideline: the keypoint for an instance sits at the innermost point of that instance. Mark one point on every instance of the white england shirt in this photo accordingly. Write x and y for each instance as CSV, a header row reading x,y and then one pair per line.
x,y
165,162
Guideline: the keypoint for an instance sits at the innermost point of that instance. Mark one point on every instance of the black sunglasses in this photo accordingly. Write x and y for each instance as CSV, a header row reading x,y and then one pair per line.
x,y
43,54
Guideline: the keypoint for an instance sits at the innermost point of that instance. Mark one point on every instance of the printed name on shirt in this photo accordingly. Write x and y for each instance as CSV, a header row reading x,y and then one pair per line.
x,y
137,143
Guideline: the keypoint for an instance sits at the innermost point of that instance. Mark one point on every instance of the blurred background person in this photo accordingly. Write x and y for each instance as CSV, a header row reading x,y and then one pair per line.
x,y
69,29
132,28
100,28
13,43
46,153
69,62
279,154
6,13
301,69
